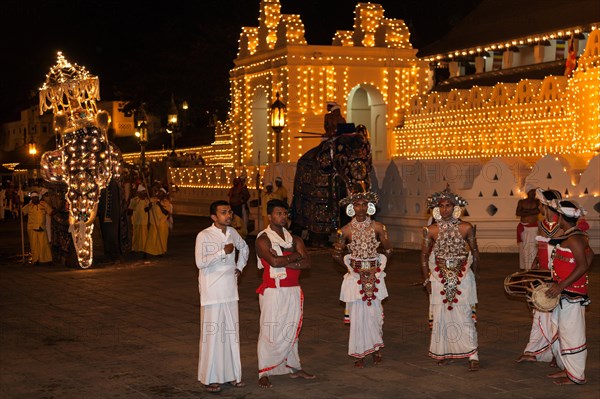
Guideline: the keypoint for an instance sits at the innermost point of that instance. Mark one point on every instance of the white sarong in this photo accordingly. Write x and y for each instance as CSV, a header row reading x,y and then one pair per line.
x,y
527,247
219,344
570,349
541,336
280,325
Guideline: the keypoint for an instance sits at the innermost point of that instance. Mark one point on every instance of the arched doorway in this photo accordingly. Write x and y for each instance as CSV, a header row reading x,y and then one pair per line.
x,y
260,126
366,107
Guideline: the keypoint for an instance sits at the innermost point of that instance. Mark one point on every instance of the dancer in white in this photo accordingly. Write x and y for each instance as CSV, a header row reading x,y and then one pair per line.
x,y
363,287
570,261
449,260
219,360
282,256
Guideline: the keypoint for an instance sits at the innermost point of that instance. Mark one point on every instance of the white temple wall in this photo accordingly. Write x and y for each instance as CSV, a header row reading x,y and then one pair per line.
x,y
492,190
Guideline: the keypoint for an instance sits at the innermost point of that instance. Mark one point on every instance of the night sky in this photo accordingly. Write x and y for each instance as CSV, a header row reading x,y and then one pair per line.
x,y
142,51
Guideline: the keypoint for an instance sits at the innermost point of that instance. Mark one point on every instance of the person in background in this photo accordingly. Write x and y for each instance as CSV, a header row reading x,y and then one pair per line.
x,y
280,191
46,199
238,196
332,119
138,209
36,229
238,224
2,200
528,210
158,222
266,196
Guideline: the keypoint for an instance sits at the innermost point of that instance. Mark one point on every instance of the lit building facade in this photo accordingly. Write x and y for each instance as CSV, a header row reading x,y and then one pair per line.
x,y
371,72
505,120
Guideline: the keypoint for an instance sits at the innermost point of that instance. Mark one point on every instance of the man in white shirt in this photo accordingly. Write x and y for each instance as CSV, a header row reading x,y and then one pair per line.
x,y
219,360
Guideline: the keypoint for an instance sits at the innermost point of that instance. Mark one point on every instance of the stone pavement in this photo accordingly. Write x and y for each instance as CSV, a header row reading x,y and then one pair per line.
x,y
130,330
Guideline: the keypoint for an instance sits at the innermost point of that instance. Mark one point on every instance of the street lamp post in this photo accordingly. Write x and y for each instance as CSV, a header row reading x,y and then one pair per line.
x,y
172,122
278,112
142,134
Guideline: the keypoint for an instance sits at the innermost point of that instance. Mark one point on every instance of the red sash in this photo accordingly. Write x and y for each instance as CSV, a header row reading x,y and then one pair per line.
x,y
290,281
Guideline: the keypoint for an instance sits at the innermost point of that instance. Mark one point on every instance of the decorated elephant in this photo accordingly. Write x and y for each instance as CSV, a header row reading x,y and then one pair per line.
x,y
85,160
327,173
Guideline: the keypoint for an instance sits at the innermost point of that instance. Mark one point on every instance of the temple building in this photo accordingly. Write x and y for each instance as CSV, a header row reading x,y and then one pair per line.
x,y
371,72
498,106
516,85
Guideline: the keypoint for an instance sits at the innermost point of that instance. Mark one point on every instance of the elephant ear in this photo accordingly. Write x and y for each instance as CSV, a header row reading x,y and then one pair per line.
x,y
102,119
60,123
52,166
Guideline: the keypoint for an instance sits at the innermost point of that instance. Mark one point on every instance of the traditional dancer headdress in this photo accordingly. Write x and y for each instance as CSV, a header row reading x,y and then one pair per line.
x,y
434,199
546,196
433,202
371,197
568,208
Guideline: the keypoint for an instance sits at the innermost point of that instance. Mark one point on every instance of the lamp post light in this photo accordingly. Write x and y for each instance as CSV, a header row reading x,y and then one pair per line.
x,y
142,134
33,153
172,122
278,112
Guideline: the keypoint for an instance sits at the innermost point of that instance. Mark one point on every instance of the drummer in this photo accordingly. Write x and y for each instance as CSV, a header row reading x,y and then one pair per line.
x,y
570,261
540,337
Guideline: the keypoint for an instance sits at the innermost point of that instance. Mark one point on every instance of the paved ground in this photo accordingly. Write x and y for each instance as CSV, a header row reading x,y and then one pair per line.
x,y
131,331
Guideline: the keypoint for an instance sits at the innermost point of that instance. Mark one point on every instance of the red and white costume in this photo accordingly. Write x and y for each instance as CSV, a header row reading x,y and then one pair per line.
x,y
281,310
542,334
570,347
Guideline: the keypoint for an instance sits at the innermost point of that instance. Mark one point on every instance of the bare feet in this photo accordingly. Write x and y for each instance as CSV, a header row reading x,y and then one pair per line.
x,y
302,374
558,374
563,381
553,362
473,365
359,363
236,384
377,357
444,362
526,358
264,382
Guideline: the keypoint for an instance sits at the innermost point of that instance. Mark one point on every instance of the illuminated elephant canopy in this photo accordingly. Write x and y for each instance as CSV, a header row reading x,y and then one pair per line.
x,y
85,160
